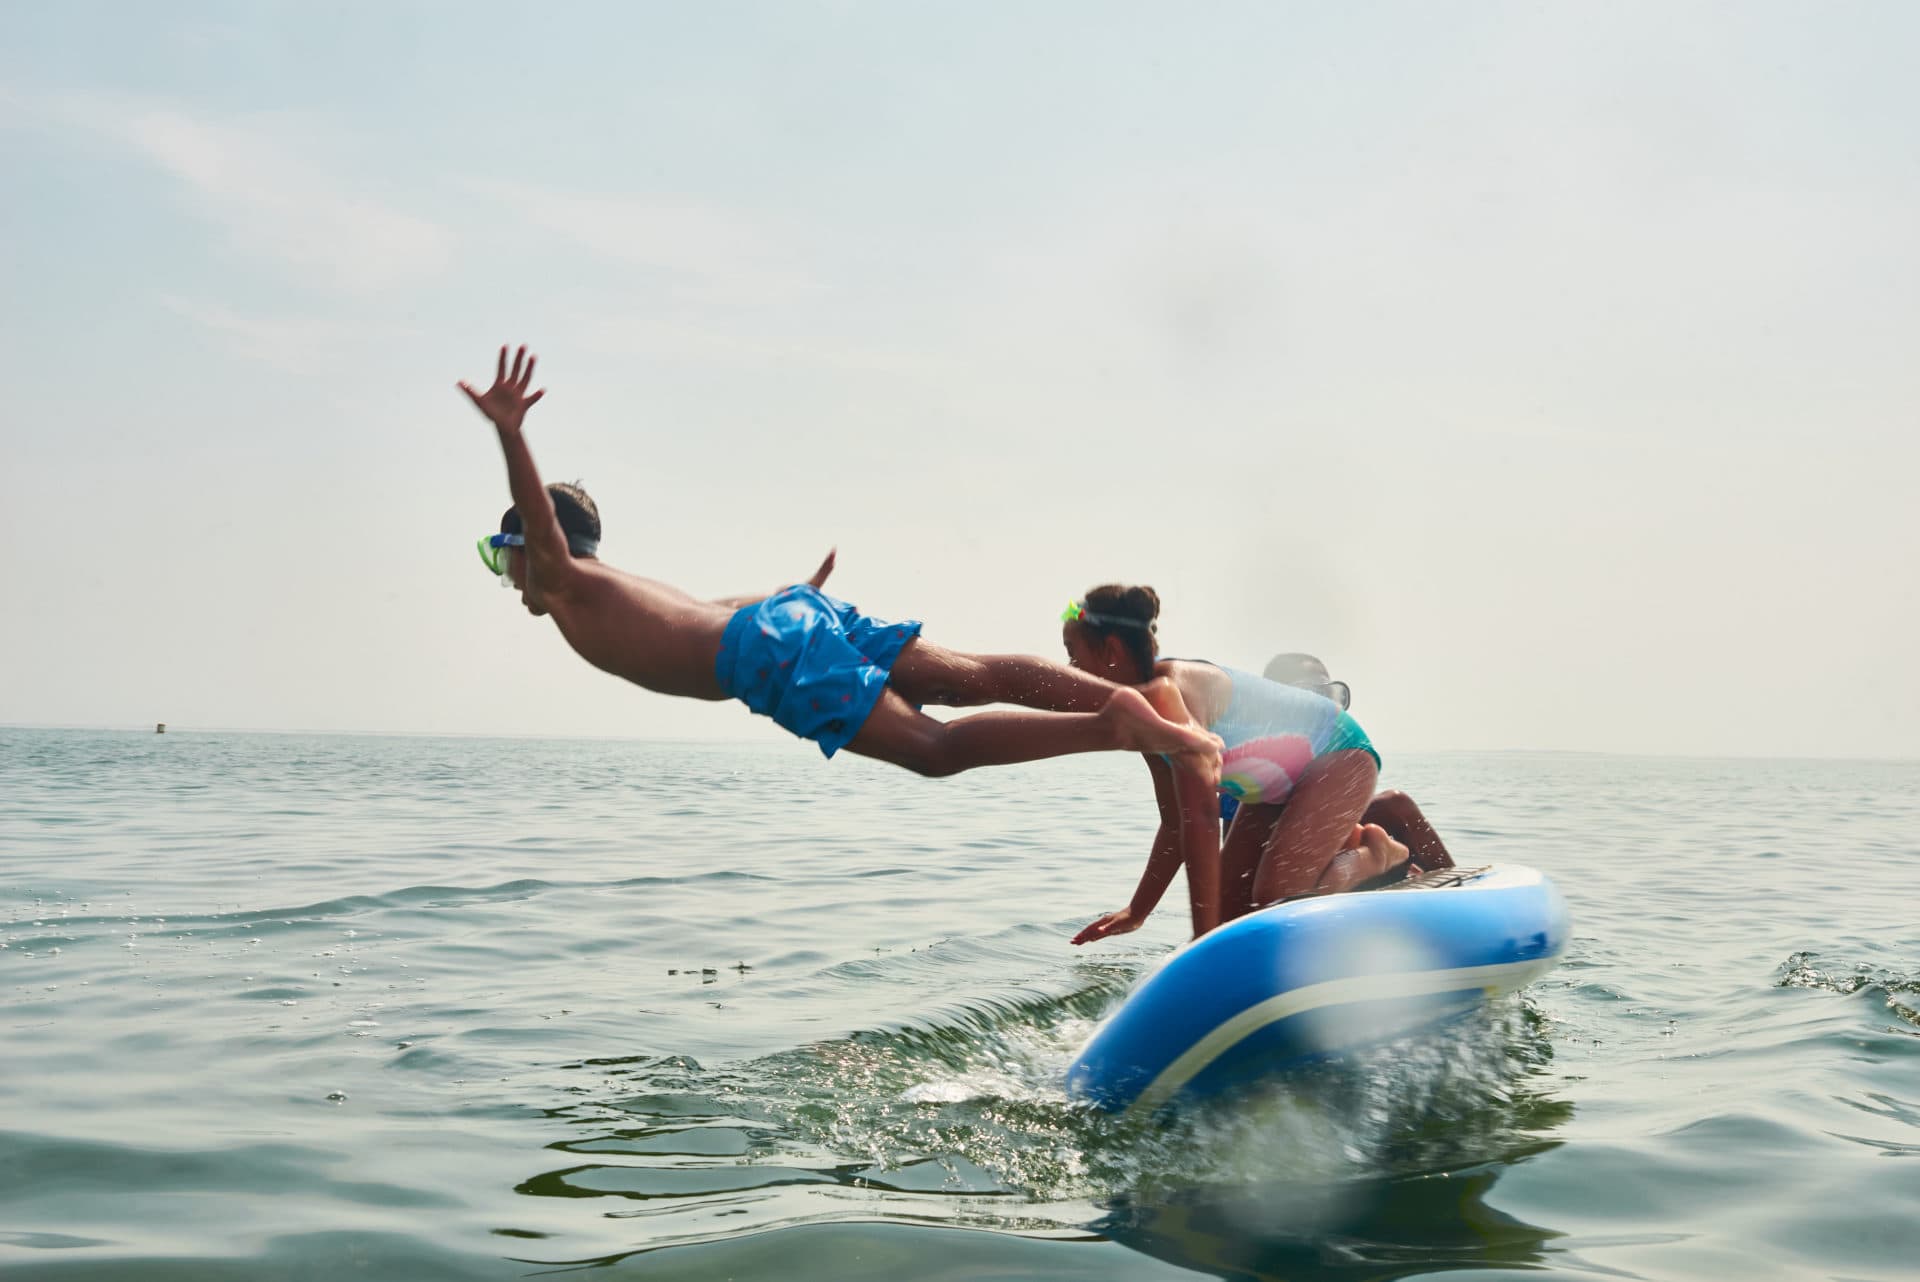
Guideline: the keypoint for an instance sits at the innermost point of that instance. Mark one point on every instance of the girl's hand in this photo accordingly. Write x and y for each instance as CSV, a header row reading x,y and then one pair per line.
x,y
1115,923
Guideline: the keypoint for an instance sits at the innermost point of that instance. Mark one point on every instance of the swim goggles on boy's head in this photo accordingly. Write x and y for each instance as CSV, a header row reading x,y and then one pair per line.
x,y
493,551
1077,612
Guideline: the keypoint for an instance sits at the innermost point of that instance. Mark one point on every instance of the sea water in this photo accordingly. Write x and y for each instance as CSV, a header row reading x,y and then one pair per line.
x,y
315,1007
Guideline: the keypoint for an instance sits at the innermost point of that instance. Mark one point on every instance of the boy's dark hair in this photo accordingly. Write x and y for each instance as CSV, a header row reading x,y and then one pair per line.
x,y
1133,603
579,517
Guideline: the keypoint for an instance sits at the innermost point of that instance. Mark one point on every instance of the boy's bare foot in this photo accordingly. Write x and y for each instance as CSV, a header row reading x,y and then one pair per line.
x,y
1139,727
1164,698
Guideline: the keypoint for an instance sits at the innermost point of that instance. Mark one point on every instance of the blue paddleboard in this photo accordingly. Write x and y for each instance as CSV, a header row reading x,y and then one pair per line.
x,y
1317,976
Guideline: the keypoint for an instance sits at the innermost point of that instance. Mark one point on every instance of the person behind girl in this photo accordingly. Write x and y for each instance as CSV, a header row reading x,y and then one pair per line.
x,y
1300,766
1392,809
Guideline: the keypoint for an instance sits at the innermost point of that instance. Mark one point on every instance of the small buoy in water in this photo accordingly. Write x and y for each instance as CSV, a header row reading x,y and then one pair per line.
x,y
159,727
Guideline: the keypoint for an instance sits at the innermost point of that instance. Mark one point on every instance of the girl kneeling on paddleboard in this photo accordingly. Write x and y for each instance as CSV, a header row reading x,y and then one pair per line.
x,y
1298,764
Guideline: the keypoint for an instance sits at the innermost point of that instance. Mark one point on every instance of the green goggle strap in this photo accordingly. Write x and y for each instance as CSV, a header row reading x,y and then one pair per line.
x,y
1077,611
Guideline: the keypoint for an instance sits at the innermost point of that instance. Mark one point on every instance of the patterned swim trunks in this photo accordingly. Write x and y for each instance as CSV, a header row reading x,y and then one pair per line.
x,y
814,664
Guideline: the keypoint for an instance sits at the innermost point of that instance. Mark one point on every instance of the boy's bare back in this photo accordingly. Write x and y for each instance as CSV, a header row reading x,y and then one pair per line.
x,y
651,633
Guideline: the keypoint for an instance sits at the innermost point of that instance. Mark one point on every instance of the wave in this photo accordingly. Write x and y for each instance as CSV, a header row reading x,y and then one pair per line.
x,y
1898,992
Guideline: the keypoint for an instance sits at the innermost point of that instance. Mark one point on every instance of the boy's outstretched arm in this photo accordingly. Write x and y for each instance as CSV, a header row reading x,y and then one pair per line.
x,y
819,577
506,404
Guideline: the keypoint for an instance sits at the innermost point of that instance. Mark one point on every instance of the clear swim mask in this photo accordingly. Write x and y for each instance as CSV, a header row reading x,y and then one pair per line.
x,y
494,550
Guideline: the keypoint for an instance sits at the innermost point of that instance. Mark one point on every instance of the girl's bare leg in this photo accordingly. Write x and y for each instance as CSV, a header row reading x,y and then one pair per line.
x,y
1247,839
1315,824
1395,811
896,732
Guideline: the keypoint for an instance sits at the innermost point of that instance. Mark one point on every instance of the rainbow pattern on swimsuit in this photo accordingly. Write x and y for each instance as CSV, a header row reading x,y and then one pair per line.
x,y
1271,732
1264,770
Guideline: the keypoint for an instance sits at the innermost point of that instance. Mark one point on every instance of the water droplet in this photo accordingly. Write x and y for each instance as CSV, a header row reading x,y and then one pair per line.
x,y
288,1002
338,1097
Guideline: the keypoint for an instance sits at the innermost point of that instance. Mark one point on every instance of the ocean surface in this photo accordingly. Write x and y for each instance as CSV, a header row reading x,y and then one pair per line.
x,y
318,1007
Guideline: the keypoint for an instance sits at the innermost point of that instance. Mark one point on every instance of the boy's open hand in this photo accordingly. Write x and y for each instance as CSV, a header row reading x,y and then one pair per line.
x,y
507,402
826,568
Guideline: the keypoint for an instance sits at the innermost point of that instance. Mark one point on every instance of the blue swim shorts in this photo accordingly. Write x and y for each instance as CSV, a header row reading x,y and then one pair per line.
x,y
815,665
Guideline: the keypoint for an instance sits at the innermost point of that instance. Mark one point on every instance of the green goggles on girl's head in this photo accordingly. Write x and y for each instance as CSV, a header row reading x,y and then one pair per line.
x,y
1077,612
493,550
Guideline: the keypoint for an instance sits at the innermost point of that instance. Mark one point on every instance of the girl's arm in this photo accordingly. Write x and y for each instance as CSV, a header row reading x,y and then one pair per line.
x,y
1190,693
1162,862
1198,820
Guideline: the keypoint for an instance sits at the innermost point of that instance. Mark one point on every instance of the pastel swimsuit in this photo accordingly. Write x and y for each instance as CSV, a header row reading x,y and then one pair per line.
x,y
814,664
1272,731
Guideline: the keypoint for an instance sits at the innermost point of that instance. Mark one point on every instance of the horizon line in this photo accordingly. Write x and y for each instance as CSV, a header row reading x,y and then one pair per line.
x,y
190,729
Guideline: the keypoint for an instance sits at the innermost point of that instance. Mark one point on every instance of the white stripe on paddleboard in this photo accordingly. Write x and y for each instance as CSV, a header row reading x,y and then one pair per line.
x,y
1500,977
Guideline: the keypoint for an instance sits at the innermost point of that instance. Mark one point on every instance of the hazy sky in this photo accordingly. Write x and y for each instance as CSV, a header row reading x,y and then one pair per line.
x,y
1550,370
